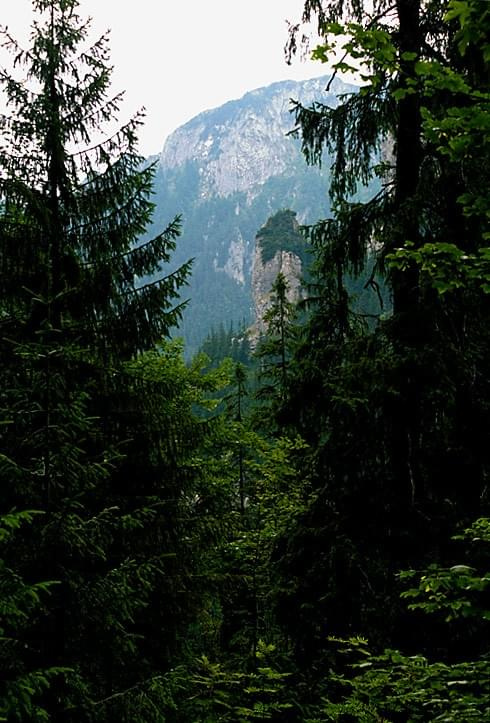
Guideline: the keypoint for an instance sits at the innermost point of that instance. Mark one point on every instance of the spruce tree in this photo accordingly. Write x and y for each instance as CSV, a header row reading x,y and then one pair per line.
x,y
395,415
274,350
90,440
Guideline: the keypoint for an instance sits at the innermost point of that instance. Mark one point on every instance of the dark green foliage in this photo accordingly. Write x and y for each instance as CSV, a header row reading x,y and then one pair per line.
x,y
273,354
418,688
232,343
394,413
21,603
281,233
208,691
160,560
98,435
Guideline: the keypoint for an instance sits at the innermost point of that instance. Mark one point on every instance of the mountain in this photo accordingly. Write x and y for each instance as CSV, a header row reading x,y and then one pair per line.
x,y
226,172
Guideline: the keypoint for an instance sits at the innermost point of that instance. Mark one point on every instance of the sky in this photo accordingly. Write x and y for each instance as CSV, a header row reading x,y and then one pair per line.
x,y
179,58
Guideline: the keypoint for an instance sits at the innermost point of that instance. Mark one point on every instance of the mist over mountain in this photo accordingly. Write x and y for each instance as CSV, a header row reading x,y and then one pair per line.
x,y
226,171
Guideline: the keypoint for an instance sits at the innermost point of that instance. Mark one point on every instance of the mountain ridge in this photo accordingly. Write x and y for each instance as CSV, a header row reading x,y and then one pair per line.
x,y
226,171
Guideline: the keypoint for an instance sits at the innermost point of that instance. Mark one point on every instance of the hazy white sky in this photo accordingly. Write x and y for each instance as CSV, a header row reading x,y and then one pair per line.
x,y
179,57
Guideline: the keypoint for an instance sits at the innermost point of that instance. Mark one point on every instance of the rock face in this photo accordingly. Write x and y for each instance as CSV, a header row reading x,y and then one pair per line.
x,y
243,143
263,277
226,171
279,249
234,265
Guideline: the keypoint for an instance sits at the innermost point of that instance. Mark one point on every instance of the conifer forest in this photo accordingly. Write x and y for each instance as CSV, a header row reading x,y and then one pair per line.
x,y
295,529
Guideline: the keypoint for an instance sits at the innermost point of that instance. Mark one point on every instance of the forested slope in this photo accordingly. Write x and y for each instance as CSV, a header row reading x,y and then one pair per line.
x,y
304,538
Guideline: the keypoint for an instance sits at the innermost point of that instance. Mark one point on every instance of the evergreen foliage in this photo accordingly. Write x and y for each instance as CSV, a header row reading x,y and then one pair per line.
x,y
168,552
273,353
232,343
93,439
415,687
281,233
395,414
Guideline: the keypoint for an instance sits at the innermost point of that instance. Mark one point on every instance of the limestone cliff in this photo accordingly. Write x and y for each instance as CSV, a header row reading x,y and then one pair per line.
x,y
263,277
279,248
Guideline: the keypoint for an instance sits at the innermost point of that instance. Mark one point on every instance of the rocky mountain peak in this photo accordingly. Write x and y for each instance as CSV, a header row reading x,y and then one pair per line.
x,y
244,142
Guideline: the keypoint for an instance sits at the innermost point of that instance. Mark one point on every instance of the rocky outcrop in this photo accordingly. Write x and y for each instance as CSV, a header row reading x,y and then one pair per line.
x,y
263,277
